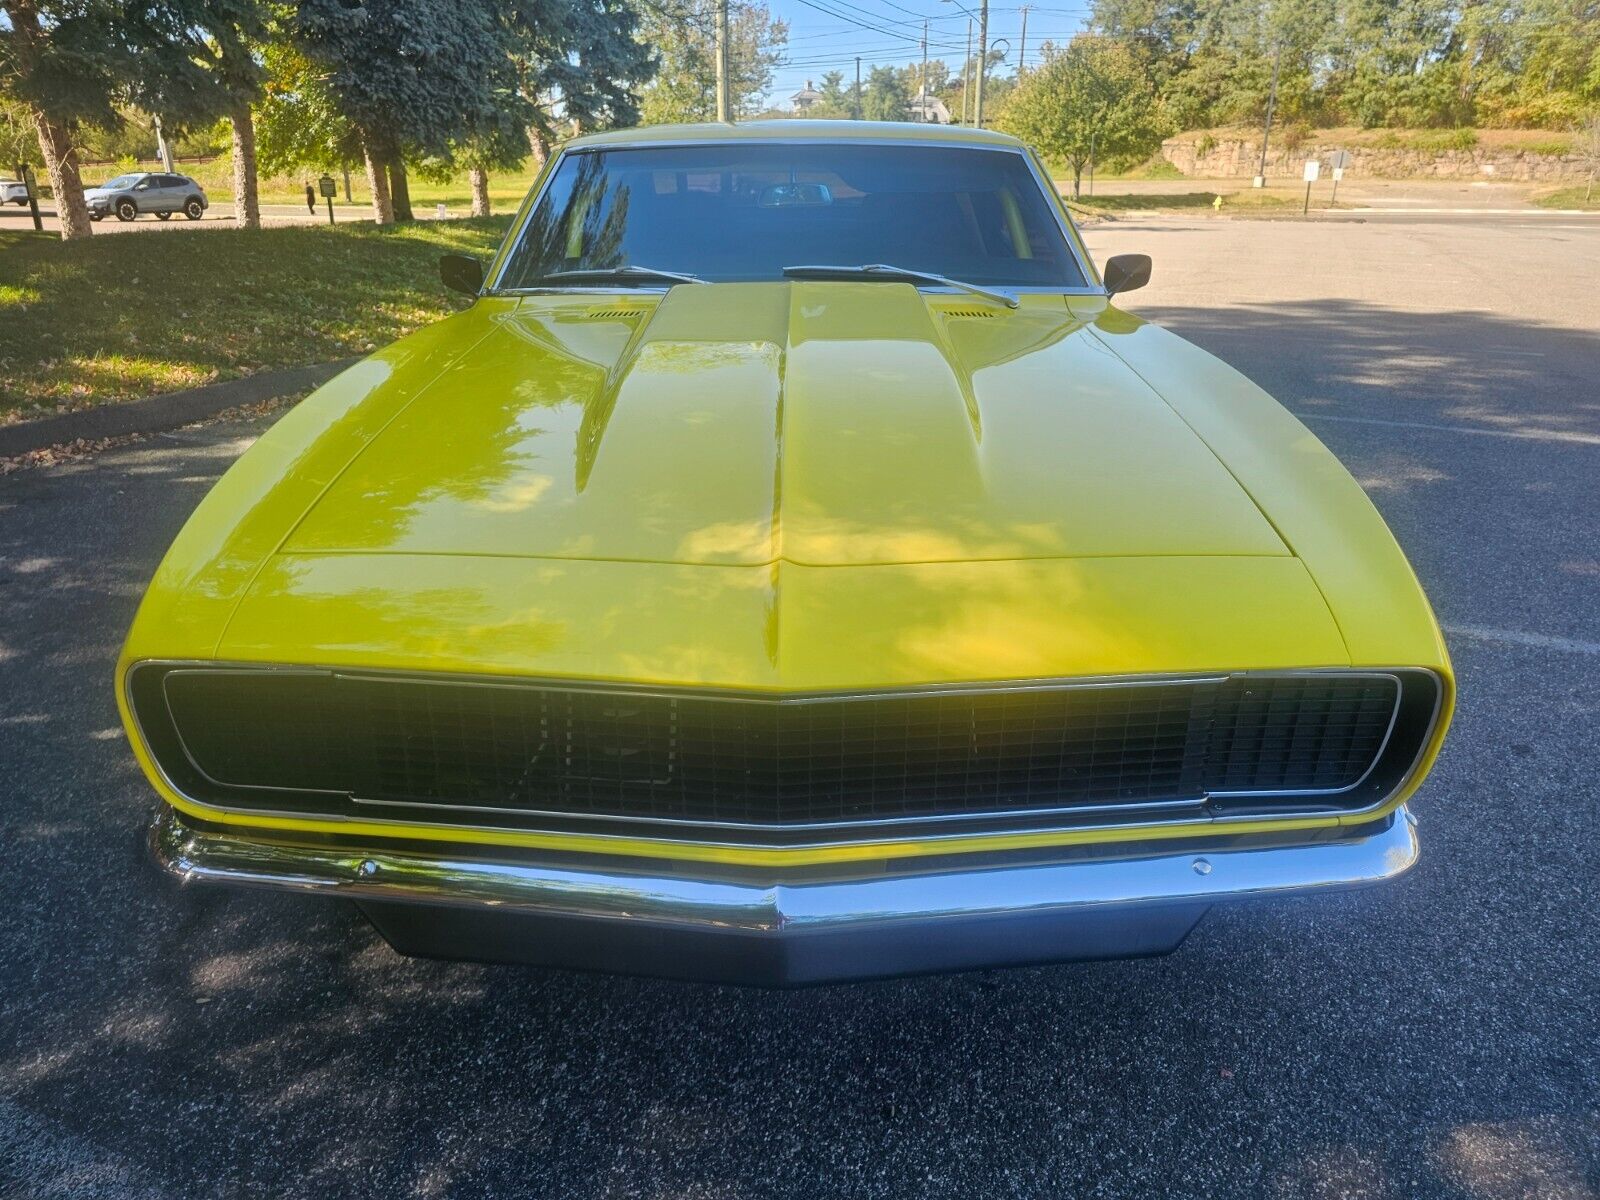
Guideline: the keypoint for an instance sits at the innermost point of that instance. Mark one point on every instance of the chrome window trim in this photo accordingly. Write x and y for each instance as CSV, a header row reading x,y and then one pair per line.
x,y
1065,825
1053,202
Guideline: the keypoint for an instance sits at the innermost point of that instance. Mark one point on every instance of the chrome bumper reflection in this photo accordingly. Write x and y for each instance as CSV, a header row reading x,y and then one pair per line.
x,y
785,932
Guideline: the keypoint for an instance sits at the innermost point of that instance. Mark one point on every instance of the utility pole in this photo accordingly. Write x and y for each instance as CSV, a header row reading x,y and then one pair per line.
x,y
1272,99
162,149
983,54
722,61
857,105
966,75
1022,52
924,108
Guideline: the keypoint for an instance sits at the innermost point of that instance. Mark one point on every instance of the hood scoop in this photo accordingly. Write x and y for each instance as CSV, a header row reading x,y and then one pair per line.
x,y
818,422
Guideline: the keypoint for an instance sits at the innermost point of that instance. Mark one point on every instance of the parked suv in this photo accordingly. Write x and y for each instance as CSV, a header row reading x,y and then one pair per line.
x,y
13,191
147,192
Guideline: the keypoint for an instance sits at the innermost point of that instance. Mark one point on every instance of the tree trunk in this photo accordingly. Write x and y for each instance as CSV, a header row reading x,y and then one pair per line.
x,y
378,181
61,161
539,143
1077,180
479,178
399,188
246,203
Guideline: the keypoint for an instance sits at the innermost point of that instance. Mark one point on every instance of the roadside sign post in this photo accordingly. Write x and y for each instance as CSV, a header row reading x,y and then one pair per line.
x,y
1339,161
25,173
1313,169
328,188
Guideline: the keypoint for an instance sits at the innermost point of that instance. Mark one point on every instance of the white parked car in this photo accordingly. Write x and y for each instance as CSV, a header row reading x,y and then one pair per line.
x,y
13,191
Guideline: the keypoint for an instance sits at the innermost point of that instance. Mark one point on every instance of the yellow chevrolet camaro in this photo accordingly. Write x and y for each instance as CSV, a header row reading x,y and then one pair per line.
x,y
790,568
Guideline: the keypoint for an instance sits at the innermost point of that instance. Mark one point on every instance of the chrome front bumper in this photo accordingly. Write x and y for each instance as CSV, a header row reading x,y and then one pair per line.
x,y
641,920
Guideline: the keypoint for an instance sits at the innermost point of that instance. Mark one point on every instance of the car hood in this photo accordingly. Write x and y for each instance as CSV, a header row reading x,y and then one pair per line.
x,y
813,423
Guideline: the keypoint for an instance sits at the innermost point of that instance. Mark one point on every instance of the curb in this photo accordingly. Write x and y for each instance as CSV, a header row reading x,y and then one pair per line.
x,y
167,411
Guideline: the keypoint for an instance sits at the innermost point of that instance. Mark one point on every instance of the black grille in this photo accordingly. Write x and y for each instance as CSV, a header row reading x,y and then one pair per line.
x,y
319,740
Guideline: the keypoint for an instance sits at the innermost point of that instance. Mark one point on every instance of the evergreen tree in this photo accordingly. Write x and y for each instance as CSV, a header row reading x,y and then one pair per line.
x,y
65,61
836,103
411,75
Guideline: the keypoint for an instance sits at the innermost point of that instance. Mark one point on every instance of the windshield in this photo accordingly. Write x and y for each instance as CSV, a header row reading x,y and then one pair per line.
x,y
738,212
122,181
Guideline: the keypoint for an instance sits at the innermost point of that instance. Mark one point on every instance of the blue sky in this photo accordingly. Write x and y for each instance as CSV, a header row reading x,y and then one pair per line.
x,y
826,35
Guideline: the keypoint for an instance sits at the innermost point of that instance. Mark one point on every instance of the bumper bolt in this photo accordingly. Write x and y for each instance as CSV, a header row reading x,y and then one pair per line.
x,y
367,869
1202,866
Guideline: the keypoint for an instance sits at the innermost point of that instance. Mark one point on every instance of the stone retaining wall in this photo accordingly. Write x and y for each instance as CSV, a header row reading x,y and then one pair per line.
x,y
1231,158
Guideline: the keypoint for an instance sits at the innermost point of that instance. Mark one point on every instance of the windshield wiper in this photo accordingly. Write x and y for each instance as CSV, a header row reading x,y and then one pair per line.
x,y
617,274
897,274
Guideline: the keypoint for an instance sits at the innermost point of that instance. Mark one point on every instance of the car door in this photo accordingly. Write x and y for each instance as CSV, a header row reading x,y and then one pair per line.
x,y
171,194
147,193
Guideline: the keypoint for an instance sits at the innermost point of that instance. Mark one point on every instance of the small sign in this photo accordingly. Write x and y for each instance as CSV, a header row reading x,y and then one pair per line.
x,y
1313,169
1338,174
1340,159
327,187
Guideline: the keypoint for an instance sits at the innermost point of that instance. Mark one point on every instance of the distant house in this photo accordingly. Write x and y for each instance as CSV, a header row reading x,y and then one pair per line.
x,y
930,111
806,98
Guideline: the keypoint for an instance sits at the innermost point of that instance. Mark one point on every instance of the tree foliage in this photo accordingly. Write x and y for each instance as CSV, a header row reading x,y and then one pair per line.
x,y
80,64
884,96
684,40
1092,98
1368,62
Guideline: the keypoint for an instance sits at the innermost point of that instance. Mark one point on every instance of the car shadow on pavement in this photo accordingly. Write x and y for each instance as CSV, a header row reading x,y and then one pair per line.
x,y
1347,358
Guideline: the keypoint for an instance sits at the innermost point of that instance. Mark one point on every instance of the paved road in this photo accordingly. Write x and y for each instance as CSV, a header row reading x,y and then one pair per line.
x,y
218,216
1437,1038
1409,200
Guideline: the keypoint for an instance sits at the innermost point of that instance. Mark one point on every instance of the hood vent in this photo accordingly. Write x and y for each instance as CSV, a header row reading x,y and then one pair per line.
x,y
613,314
969,312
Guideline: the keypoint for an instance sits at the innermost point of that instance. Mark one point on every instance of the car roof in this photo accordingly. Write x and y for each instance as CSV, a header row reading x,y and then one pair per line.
x,y
783,130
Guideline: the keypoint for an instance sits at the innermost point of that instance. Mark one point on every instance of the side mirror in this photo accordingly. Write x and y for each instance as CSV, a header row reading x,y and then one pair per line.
x,y
463,274
1125,273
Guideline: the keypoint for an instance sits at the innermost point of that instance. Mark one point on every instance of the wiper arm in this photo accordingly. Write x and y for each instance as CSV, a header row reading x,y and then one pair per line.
x,y
624,274
903,274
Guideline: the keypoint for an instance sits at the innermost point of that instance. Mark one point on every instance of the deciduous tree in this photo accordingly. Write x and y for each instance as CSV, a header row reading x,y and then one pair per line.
x,y
885,97
67,63
1091,98
682,37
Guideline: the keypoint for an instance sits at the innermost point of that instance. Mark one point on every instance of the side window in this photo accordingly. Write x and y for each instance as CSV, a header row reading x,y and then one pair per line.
x,y
145,184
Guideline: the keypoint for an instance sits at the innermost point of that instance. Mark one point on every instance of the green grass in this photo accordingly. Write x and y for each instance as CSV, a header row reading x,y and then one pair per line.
x,y
119,317
1571,197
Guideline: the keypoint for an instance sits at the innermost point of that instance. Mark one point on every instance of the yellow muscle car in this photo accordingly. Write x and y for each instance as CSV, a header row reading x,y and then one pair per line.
x,y
790,568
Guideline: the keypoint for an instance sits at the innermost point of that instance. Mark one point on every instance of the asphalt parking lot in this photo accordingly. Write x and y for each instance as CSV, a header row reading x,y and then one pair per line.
x,y
1434,1038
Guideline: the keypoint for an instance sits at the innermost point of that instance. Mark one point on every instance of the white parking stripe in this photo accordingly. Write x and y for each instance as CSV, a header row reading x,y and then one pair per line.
x,y
1515,637
1538,435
